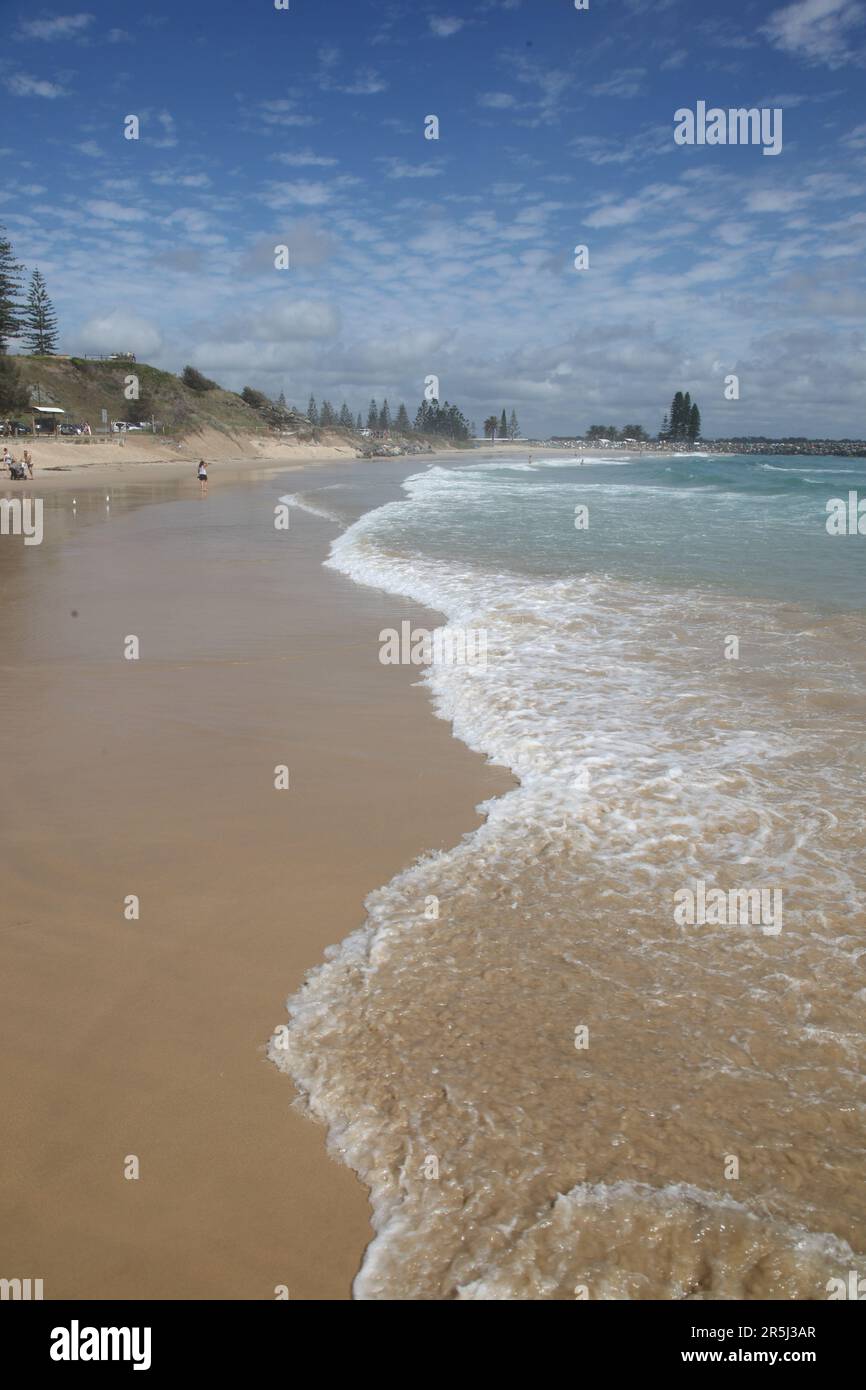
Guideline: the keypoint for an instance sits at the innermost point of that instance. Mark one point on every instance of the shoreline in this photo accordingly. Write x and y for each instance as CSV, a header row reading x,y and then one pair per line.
x,y
149,1039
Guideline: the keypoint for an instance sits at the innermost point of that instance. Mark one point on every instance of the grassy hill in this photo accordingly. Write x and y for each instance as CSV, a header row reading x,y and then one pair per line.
x,y
84,388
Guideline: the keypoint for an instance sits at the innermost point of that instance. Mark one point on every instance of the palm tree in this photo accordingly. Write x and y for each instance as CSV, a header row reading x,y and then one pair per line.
x,y
491,425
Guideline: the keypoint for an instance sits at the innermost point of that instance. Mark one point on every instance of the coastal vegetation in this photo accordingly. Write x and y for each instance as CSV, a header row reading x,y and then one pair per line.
x,y
498,427
684,421
33,318
617,434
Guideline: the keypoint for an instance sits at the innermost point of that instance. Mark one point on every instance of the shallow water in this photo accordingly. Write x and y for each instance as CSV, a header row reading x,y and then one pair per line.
x,y
555,1088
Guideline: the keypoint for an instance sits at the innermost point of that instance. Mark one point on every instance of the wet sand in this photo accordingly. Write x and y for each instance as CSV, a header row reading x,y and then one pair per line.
x,y
155,777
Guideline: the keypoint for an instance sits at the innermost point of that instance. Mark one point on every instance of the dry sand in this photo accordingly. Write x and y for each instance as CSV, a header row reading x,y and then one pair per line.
x,y
155,777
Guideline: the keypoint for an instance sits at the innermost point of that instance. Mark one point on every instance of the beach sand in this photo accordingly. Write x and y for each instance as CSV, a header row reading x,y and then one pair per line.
x,y
155,778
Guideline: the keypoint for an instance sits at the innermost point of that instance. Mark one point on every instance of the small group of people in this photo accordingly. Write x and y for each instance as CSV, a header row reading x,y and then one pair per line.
x,y
24,469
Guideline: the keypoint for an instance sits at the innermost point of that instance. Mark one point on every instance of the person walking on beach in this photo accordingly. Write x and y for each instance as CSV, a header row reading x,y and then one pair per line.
x,y
28,462
202,475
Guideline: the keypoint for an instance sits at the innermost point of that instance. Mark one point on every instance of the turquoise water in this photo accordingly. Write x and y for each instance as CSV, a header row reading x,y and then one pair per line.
x,y
753,526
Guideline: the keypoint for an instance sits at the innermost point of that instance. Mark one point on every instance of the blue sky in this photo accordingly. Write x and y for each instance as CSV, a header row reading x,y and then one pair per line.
x,y
454,257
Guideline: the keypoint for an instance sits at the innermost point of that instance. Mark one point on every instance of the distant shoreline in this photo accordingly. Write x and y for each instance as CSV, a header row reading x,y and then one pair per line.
x,y
832,448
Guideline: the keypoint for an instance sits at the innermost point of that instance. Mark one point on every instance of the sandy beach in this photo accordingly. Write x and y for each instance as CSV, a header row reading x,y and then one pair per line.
x,y
155,778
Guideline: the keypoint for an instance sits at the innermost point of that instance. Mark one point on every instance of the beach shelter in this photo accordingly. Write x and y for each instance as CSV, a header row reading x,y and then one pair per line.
x,y
46,412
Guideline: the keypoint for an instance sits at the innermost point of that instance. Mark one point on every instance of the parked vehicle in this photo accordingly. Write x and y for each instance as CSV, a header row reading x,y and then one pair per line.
x,y
70,429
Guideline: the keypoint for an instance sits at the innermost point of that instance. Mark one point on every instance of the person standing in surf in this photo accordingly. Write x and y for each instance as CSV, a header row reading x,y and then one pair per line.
x,y
202,475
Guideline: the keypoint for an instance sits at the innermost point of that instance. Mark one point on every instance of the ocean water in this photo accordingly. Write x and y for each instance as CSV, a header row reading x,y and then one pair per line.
x,y
553,1085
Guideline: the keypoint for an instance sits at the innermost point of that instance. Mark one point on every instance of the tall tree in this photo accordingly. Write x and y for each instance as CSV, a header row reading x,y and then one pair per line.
x,y
345,417
677,422
513,427
503,425
694,424
359,424
10,290
38,320
313,411
281,401
491,425
401,424
385,418
326,415
373,416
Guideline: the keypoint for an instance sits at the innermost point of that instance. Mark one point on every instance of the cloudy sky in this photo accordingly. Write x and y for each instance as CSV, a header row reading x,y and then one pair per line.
x,y
305,127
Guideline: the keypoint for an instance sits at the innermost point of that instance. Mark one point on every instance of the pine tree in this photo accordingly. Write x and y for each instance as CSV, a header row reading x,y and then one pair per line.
x,y
401,424
327,416
513,427
677,422
384,418
373,416
345,417
665,429
39,321
503,426
694,424
10,289
312,411
359,424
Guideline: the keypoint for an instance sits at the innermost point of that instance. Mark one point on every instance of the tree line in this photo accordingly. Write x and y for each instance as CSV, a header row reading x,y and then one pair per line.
x,y
684,420
498,427
29,316
682,423
617,435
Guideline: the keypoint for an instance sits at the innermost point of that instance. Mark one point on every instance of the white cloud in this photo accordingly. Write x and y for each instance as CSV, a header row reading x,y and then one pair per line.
x,y
402,169
283,111
61,27
308,193
90,148
817,30
627,83
120,331
181,180
114,212
443,26
496,101
23,85
301,159
366,84
297,319
616,214
168,139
